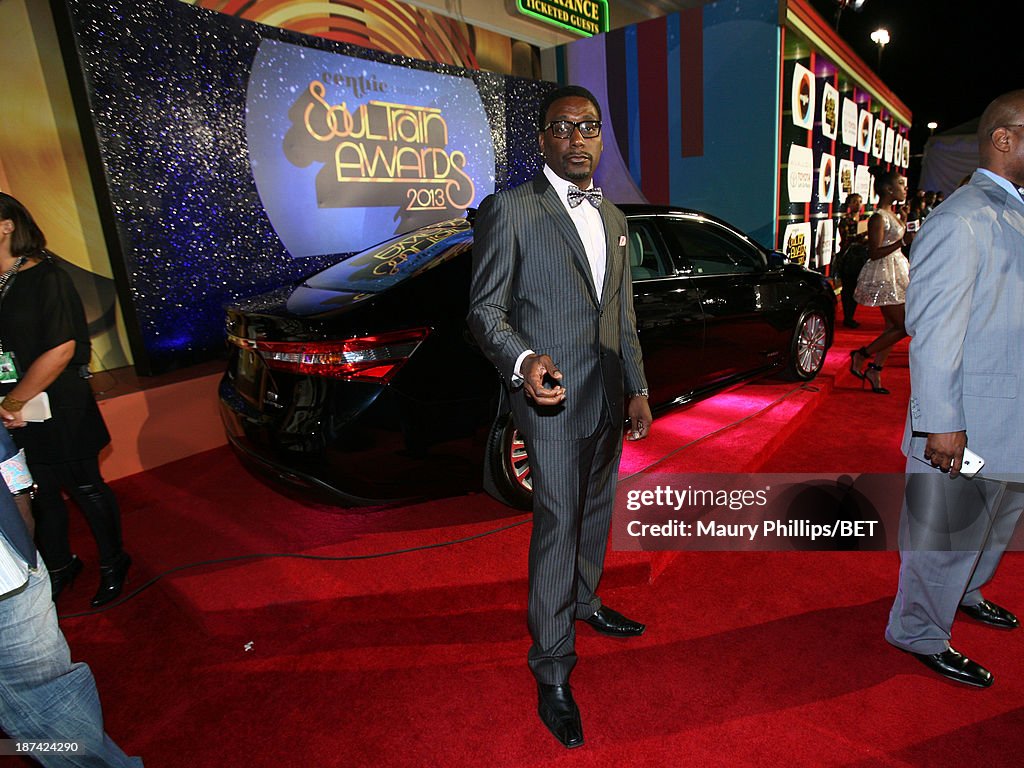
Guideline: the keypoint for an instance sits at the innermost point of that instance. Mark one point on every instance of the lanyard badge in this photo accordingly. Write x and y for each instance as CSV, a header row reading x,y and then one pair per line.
x,y
8,368
8,362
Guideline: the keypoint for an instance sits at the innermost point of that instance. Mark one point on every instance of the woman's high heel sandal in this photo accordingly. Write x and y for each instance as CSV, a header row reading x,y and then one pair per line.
x,y
856,369
876,381
63,577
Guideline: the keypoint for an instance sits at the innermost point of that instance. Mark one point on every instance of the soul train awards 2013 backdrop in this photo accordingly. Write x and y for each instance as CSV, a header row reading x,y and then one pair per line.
x,y
234,157
341,147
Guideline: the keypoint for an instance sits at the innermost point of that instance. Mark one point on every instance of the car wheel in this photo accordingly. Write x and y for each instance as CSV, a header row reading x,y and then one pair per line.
x,y
508,464
809,345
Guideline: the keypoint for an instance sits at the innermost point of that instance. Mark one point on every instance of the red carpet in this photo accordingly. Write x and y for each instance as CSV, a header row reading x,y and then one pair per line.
x,y
857,430
418,659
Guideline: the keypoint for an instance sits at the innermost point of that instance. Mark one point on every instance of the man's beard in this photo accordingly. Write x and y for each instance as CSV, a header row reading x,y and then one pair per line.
x,y
577,175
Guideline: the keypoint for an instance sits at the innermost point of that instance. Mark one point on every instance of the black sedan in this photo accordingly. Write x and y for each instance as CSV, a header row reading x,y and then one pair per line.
x,y
364,383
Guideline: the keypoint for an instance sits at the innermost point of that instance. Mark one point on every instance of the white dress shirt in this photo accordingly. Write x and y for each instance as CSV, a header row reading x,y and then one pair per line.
x,y
589,225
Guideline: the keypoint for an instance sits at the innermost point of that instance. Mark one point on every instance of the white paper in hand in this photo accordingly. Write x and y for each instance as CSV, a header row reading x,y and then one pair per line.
x,y
37,409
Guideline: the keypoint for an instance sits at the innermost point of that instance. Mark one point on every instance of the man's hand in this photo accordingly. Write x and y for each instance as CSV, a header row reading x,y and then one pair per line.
x,y
945,450
535,369
12,420
639,418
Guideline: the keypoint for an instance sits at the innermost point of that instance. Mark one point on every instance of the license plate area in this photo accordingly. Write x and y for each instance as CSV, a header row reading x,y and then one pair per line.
x,y
251,377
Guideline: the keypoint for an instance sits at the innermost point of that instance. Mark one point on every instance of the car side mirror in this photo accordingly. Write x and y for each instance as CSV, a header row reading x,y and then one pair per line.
x,y
777,260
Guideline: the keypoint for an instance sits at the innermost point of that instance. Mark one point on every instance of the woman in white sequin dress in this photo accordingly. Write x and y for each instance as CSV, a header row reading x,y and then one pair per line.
x,y
884,278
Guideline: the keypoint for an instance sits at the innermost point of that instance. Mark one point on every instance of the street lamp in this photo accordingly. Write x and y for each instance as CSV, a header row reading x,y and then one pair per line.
x,y
880,37
855,4
931,127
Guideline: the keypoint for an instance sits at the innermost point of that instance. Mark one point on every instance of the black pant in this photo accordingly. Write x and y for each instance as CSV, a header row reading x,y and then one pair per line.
x,y
846,295
83,483
852,263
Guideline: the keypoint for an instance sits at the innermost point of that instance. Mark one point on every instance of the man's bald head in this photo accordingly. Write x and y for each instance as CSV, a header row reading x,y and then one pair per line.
x,y
1001,136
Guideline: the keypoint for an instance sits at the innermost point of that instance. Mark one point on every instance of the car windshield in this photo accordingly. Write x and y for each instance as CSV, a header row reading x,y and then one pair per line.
x,y
389,263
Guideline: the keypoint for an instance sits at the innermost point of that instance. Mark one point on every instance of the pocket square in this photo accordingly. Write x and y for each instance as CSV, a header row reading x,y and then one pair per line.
x,y
622,240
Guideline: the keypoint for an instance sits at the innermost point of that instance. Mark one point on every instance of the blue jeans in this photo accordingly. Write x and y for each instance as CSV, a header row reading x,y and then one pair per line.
x,y
43,695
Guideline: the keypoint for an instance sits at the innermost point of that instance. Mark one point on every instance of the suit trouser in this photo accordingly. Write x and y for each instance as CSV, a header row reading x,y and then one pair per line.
x,y
953,532
573,496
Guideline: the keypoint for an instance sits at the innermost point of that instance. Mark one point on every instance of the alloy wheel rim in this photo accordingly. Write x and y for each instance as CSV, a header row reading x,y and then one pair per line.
x,y
519,462
811,343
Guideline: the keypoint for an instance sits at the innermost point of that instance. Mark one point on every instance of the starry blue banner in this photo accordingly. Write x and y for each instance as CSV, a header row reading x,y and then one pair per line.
x,y
211,187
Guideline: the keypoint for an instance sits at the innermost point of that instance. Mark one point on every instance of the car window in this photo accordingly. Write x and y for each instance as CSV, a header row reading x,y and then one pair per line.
x,y
397,259
646,259
707,248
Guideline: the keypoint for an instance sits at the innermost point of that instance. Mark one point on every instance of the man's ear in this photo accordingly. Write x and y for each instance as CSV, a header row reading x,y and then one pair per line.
x,y
1001,139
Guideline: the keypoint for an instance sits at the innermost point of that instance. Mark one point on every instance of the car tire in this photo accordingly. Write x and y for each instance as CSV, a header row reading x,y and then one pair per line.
x,y
809,345
508,464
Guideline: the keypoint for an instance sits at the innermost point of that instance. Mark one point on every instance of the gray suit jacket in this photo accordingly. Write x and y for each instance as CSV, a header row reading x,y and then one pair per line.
x,y
965,313
532,289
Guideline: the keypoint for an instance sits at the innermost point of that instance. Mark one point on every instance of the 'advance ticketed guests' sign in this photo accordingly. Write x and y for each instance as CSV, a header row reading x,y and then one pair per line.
x,y
584,17
346,152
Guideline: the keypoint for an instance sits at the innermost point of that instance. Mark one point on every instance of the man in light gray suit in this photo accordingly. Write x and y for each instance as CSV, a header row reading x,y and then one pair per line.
x,y
552,307
964,312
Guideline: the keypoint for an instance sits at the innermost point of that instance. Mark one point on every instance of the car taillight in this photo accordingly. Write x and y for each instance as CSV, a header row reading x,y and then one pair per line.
x,y
364,358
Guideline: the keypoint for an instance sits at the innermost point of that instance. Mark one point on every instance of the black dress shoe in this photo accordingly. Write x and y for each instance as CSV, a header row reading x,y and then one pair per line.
x,y
63,577
558,711
991,614
609,622
955,666
851,323
112,580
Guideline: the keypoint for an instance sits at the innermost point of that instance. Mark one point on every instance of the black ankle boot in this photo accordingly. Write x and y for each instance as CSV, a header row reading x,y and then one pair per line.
x,y
64,576
112,580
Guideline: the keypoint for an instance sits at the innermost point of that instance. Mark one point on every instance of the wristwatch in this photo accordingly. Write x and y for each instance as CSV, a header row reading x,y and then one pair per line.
x,y
640,393
29,489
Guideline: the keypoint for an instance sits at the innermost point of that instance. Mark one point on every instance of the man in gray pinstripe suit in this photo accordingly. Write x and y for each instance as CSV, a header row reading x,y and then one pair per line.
x,y
552,307
966,379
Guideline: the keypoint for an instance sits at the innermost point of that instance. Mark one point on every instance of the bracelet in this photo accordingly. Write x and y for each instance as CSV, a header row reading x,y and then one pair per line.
x,y
12,404
640,393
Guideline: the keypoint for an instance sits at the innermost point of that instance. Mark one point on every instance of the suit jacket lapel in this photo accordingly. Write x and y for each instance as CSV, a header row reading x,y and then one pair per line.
x,y
613,253
550,201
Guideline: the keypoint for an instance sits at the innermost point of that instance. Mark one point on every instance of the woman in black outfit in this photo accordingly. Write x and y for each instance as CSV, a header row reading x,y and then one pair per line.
x,y
42,323
852,257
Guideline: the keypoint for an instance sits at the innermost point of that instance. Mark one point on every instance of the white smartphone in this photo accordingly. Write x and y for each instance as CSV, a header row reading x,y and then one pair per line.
x,y
971,463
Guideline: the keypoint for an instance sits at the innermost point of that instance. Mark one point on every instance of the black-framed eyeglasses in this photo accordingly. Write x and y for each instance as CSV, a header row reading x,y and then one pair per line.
x,y
562,129
1008,125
